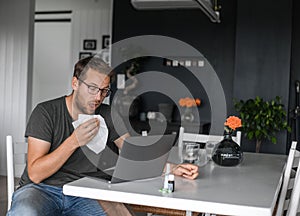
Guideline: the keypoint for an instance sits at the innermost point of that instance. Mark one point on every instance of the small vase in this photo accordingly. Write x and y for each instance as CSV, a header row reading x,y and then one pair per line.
x,y
228,152
187,115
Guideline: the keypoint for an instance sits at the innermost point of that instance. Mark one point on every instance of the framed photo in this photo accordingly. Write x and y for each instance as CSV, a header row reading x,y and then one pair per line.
x,y
105,41
167,62
89,44
84,54
104,54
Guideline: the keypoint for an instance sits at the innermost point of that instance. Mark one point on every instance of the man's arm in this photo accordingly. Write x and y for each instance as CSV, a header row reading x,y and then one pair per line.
x,y
120,141
189,171
42,164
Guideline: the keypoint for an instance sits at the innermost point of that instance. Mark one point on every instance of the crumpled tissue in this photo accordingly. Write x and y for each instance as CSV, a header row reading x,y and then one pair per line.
x,y
98,143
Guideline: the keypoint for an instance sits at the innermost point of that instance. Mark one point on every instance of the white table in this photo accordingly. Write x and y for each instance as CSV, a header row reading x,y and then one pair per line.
x,y
248,189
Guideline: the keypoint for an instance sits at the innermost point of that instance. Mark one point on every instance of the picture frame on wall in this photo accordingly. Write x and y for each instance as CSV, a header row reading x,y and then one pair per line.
x,y
89,44
105,41
104,54
84,54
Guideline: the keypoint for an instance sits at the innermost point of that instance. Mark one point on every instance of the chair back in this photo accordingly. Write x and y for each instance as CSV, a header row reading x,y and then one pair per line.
x,y
293,205
201,138
16,154
282,202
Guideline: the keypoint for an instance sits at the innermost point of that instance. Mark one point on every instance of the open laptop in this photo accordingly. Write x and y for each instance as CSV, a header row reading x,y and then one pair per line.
x,y
141,157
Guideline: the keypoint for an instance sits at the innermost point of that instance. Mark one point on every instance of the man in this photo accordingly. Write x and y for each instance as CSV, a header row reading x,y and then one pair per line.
x,y
55,148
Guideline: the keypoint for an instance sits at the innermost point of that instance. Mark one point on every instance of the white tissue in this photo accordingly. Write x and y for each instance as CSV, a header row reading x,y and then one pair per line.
x,y
98,143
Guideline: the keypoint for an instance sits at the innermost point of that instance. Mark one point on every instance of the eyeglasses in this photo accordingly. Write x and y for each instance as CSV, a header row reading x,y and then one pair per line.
x,y
95,90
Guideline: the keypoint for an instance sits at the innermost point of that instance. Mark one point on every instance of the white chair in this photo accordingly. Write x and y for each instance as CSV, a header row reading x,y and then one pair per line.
x,y
201,138
293,206
284,203
16,153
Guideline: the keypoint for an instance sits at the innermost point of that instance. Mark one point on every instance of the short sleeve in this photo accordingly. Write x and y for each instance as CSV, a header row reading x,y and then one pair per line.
x,y
40,125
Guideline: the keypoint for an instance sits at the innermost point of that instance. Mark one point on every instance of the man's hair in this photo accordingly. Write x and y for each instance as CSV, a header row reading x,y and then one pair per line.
x,y
93,62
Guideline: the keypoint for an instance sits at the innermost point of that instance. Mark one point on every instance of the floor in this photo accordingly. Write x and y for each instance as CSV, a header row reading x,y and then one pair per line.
x,y
3,196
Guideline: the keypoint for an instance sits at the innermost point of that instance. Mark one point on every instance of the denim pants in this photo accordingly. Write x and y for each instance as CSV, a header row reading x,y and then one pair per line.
x,y
42,199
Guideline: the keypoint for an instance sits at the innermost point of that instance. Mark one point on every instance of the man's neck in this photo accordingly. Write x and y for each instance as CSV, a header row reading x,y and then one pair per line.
x,y
70,106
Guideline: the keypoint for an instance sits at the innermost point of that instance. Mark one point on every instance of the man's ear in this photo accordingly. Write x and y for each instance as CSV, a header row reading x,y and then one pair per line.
x,y
75,83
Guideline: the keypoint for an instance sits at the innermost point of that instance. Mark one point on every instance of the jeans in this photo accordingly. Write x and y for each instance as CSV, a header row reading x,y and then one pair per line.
x,y
42,199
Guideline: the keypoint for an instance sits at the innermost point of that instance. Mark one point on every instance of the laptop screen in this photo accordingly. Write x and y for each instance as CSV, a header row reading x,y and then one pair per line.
x,y
143,157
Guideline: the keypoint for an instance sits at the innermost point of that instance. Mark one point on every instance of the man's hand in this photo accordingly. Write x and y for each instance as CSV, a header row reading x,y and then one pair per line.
x,y
189,171
85,132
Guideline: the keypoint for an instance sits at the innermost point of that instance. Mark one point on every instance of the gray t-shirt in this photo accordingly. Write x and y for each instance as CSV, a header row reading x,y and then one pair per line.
x,y
50,121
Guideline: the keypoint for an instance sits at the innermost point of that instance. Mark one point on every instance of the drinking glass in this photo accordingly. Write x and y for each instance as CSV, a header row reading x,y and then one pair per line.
x,y
190,152
210,147
202,157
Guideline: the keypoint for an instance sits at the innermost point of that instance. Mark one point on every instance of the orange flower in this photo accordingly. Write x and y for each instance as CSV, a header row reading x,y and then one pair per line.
x,y
182,102
233,122
189,102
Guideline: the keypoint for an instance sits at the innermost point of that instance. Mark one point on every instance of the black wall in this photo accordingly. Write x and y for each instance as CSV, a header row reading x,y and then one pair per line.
x,y
250,49
263,54
295,67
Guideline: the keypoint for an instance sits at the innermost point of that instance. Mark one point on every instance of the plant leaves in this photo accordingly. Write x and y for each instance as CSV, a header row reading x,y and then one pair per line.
x,y
262,119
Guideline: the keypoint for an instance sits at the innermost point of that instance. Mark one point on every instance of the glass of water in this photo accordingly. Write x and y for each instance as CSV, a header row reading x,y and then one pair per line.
x,y
210,147
190,152
202,158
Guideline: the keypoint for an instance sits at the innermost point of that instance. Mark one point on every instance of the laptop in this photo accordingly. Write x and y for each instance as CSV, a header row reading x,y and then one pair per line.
x,y
141,157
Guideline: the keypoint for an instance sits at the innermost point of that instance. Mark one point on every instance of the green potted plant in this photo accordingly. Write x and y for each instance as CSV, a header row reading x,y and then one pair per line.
x,y
262,119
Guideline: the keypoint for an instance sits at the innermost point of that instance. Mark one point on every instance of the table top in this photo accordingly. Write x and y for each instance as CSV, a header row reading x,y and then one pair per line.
x,y
250,188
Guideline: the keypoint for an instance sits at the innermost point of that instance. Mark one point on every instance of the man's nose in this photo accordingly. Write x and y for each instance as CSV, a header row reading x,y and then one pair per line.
x,y
99,95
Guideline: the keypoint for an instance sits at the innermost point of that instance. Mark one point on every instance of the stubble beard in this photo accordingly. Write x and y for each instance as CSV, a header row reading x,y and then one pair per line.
x,y
82,108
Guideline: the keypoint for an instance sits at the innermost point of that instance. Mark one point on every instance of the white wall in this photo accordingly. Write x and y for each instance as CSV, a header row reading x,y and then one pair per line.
x,y
89,24
57,44
16,56
52,69
16,28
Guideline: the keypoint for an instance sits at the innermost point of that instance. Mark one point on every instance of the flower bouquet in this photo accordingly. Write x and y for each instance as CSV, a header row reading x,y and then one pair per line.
x,y
188,103
232,123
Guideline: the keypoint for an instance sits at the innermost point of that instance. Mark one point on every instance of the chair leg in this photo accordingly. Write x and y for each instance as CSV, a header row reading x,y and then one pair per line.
x,y
188,213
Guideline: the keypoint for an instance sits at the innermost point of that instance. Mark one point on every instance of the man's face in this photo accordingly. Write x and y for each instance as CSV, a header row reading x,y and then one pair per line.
x,y
86,102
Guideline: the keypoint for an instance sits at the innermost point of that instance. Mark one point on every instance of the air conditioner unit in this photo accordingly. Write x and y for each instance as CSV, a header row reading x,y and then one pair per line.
x,y
205,5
